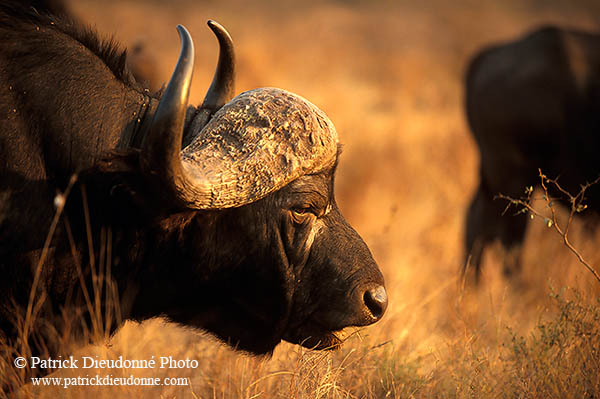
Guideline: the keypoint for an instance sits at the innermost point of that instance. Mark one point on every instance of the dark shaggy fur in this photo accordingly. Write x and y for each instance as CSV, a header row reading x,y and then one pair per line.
x,y
23,20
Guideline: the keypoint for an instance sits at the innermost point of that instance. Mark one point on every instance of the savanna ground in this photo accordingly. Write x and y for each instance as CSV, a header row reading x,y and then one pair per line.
x,y
389,75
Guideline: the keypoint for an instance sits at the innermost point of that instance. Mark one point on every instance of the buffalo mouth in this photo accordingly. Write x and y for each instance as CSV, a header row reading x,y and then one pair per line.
x,y
322,340
329,328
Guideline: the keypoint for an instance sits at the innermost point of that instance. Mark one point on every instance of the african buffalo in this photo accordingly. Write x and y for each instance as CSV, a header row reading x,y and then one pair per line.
x,y
532,103
105,216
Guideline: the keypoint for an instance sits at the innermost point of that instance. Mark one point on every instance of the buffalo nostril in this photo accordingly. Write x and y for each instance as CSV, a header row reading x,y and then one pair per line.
x,y
376,301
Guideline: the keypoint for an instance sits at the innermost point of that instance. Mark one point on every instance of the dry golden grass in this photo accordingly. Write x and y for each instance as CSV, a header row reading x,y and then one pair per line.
x,y
389,74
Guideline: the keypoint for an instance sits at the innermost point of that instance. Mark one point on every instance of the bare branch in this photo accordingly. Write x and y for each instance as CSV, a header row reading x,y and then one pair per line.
x,y
576,206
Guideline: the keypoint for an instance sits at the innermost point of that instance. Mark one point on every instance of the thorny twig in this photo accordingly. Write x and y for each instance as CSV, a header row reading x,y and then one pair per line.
x,y
576,206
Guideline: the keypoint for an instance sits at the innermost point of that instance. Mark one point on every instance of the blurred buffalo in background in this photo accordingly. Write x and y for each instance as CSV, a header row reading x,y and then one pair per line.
x,y
530,103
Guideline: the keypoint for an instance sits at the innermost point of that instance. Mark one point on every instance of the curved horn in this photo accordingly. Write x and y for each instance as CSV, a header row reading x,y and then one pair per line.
x,y
221,89
251,147
162,143
223,85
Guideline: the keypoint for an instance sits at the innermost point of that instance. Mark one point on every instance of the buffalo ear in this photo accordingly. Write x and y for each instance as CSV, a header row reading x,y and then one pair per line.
x,y
115,182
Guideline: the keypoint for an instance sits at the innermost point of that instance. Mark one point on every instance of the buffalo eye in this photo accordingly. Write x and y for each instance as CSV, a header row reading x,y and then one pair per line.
x,y
301,214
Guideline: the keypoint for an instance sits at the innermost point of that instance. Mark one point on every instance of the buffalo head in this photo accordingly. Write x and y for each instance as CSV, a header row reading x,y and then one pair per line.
x,y
258,249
